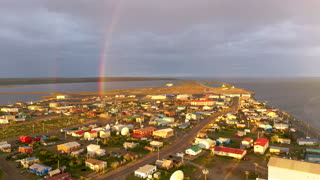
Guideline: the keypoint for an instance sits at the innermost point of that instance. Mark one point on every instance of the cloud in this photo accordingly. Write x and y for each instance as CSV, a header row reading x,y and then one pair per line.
x,y
159,38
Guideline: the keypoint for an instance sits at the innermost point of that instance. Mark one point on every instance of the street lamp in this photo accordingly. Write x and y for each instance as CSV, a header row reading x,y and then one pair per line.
x,y
255,167
247,174
205,172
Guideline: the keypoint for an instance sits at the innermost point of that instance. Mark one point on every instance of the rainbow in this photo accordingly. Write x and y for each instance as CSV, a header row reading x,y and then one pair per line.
x,y
106,45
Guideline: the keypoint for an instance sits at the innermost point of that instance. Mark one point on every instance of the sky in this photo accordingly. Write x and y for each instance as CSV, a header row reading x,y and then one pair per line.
x,y
152,38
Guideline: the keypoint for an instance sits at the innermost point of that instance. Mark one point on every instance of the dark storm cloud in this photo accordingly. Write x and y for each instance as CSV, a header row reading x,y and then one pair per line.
x,y
159,38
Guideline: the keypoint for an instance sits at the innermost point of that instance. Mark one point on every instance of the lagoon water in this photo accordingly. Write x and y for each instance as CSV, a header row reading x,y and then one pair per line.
x,y
299,97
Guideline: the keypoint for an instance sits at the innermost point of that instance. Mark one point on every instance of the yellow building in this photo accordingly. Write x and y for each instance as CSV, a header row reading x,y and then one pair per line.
x,y
164,133
68,147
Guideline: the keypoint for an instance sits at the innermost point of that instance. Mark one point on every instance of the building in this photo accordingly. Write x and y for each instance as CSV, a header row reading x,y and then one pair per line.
x,y
284,141
281,126
222,140
232,121
68,147
194,150
5,146
205,143
246,143
183,96
63,176
40,169
25,139
156,144
105,133
145,171
308,142
78,133
130,145
143,132
202,103
166,164
61,96
283,169
95,164
25,150
26,162
260,145
164,133
158,97
90,135
314,158
230,152
94,149
278,150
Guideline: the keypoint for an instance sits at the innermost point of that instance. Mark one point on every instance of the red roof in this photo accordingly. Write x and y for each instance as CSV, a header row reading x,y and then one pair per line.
x,y
79,132
92,132
261,142
229,150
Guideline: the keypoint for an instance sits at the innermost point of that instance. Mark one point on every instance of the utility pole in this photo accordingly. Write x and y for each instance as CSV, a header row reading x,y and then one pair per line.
x,y
205,172
158,153
32,128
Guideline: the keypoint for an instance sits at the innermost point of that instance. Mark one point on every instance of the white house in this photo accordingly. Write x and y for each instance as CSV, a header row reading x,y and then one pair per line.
x,y
194,150
281,126
4,121
283,169
183,96
158,97
145,171
309,142
260,145
205,143
94,149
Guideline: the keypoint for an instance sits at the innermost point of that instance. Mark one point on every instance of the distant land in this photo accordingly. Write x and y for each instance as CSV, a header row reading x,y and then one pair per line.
x,y
25,81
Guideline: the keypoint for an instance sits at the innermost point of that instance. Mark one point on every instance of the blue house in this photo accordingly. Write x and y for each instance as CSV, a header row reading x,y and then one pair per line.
x,y
40,169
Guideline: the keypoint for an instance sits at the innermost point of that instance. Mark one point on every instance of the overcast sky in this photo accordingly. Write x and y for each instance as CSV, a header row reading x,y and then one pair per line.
x,y
251,38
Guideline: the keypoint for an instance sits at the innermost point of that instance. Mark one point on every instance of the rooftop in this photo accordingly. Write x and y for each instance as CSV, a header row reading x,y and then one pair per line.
x,y
146,168
301,166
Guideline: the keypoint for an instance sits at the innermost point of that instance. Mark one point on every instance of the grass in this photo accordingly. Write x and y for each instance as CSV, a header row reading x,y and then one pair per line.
x,y
9,132
205,160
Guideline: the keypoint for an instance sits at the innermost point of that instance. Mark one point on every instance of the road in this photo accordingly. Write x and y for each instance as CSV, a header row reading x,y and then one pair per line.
x,y
178,145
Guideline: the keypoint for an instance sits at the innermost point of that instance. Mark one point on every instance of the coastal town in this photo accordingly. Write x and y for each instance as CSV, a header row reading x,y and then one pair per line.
x,y
185,131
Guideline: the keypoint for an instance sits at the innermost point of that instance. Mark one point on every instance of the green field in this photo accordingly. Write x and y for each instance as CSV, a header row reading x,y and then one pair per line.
x,y
9,132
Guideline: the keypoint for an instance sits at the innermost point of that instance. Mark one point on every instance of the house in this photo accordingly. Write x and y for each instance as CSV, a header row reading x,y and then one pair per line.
x,y
183,97
68,147
194,150
158,97
231,121
284,141
5,146
205,143
222,140
180,108
143,132
129,145
11,110
26,162
193,116
281,126
260,145
61,96
54,172
170,113
95,164
77,152
283,169
4,121
156,144
166,164
246,143
308,142
94,149
40,169
240,133
78,133
145,171
230,152
90,135
202,102
149,148
241,125
25,150
25,139
163,133
105,134
63,176
278,150
314,158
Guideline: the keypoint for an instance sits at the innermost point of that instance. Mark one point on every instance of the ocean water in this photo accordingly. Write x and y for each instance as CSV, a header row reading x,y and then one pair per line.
x,y
298,96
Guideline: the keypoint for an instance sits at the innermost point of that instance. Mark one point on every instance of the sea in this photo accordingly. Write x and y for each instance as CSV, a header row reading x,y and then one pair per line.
x,y
298,96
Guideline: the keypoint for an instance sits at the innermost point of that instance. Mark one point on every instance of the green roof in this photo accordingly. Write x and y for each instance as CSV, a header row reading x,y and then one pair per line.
x,y
195,148
313,150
